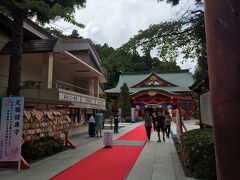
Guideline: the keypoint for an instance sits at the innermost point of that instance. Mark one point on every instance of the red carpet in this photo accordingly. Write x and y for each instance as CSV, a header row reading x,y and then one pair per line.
x,y
138,134
105,164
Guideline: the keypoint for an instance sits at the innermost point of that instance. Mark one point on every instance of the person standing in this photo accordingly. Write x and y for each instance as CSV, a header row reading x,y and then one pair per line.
x,y
168,120
154,120
116,121
91,126
160,125
99,120
148,124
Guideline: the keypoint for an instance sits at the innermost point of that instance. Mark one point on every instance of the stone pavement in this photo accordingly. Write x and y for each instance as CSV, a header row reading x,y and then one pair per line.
x,y
157,160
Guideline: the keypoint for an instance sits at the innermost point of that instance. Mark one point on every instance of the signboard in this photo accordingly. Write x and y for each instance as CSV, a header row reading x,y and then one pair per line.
x,y
81,99
69,97
87,100
102,103
11,128
206,109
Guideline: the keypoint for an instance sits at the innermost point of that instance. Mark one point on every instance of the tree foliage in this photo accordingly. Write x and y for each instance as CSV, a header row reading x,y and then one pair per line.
x,y
57,33
112,62
124,100
44,11
184,36
117,61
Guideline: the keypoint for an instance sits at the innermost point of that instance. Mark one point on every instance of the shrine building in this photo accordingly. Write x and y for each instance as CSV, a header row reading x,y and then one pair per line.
x,y
163,89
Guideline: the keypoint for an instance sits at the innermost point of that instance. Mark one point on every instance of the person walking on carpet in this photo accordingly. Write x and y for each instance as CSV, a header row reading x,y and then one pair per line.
x,y
154,120
160,125
116,121
99,121
148,124
168,120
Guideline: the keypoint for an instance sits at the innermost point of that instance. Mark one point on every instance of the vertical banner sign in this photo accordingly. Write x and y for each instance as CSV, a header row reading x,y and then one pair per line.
x,y
11,128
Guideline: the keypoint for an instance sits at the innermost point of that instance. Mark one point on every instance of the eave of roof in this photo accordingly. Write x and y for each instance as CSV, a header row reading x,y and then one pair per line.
x,y
57,45
198,82
79,44
28,27
38,28
168,89
159,89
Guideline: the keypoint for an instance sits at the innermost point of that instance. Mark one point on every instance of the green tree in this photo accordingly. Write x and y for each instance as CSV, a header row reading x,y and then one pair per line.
x,y
147,63
185,36
124,100
44,11
117,61
113,61
57,33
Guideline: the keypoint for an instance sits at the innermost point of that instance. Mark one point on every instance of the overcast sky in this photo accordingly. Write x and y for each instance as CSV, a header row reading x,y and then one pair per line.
x,y
115,21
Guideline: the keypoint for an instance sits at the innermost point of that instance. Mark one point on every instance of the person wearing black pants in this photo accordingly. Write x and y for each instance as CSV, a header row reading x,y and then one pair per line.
x,y
148,132
116,121
168,120
160,125
154,121
167,130
148,125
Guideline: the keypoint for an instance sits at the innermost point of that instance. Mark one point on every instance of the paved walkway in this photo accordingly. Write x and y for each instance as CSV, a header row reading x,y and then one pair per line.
x,y
157,160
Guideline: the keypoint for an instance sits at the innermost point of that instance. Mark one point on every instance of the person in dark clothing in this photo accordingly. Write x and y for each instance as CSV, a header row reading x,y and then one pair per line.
x,y
148,124
116,121
160,125
154,120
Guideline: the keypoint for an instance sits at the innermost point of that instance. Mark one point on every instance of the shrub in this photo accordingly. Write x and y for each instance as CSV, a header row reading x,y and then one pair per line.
x,y
197,148
45,146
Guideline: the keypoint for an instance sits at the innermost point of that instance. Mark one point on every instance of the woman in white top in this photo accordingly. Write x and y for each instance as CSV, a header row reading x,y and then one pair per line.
x,y
91,126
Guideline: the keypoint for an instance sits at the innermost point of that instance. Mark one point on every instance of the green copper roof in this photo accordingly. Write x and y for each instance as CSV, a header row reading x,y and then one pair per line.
x,y
182,80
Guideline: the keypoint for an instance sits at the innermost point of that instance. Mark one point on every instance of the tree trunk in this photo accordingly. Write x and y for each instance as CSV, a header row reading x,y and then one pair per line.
x,y
15,67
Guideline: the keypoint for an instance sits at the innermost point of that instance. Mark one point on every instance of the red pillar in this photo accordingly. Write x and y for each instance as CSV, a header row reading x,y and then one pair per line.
x,y
223,46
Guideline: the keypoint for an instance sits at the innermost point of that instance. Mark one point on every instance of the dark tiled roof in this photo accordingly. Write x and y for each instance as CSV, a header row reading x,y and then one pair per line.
x,y
85,56
6,23
34,46
38,28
